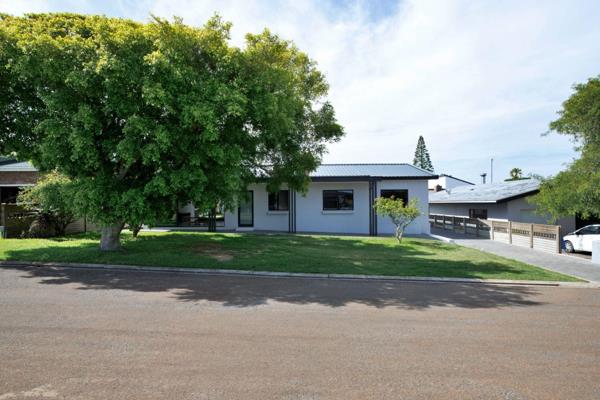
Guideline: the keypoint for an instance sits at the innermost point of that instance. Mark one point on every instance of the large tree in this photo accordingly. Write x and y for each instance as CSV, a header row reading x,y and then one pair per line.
x,y
141,116
576,190
422,159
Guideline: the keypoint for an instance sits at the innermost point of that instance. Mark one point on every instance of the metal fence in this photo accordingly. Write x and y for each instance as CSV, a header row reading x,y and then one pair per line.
x,y
535,236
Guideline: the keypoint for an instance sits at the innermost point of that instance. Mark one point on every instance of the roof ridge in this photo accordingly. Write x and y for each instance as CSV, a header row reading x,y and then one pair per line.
x,y
367,164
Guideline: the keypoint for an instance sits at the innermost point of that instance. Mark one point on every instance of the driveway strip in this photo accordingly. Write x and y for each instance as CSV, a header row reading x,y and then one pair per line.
x,y
561,263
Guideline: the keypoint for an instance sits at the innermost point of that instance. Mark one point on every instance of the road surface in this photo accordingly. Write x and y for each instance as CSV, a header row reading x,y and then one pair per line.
x,y
85,334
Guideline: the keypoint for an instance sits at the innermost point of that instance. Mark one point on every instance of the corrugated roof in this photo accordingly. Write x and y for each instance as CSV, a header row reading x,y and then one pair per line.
x,y
371,171
12,165
455,178
490,193
400,170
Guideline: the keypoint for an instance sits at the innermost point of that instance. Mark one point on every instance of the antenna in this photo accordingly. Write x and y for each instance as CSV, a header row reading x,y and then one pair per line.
x,y
483,178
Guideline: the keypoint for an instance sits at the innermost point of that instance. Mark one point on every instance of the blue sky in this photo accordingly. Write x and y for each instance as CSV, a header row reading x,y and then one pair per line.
x,y
477,79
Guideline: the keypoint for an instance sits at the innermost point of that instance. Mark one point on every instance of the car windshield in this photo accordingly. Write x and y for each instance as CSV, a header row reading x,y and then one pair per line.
x,y
589,230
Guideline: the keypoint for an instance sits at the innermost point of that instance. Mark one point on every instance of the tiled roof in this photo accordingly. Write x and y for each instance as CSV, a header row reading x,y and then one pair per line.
x,y
371,171
490,193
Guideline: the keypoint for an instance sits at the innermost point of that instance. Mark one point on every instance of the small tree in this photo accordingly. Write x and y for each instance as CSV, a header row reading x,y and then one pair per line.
x,y
400,214
422,159
52,196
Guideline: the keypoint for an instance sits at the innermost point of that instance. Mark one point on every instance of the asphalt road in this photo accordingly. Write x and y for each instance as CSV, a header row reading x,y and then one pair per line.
x,y
81,334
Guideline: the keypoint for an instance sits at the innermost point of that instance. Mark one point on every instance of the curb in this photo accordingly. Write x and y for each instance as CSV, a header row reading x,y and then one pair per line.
x,y
267,274
441,238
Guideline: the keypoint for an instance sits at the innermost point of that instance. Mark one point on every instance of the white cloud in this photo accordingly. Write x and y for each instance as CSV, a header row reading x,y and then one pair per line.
x,y
477,79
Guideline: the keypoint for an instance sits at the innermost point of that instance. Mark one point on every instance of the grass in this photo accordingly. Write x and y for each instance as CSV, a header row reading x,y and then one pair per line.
x,y
282,253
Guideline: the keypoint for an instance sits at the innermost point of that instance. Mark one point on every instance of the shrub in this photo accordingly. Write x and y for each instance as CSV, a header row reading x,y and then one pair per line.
x,y
400,214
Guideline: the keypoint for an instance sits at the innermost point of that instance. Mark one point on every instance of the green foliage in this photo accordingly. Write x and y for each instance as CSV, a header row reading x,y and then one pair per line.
x,y
516,174
141,116
52,197
422,159
577,189
400,214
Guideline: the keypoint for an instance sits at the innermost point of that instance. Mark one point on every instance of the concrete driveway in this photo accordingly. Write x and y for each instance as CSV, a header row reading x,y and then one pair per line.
x,y
578,266
87,334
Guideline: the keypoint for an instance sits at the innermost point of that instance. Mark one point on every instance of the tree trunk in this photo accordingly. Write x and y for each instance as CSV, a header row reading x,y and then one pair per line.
x,y
399,232
136,229
110,239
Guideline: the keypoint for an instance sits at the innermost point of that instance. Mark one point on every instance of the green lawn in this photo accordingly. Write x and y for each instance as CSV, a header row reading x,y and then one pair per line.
x,y
285,253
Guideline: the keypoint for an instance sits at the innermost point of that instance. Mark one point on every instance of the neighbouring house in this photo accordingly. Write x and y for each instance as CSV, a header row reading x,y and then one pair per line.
x,y
503,201
339,199
14,175
444,182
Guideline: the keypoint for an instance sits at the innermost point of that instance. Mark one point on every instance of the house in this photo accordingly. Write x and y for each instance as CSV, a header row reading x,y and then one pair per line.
x,y
339,199
503,201
444,182
15,175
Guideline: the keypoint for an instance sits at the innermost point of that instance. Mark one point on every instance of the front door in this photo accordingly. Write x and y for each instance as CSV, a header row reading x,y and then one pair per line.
x,y
246,210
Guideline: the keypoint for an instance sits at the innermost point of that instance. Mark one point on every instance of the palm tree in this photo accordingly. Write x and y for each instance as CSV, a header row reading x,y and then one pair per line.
x,y
515,174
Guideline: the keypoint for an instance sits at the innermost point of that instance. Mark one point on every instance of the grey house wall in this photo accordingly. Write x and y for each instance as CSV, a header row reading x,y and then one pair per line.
x,y
416,189
310,216
495,211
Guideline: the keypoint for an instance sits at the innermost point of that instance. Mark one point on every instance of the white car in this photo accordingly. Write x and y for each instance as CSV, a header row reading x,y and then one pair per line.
x,y
581,239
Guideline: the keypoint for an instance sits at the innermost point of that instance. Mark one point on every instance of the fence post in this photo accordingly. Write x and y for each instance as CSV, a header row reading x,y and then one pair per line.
x,y
558,238
492,230
453,223
531,236
465,224
476,227
3,215
510,232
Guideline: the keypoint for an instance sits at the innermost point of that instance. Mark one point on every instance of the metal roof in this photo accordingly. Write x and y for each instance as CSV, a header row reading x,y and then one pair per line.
x,y
455,178
396,171
490,193
392,171
12,165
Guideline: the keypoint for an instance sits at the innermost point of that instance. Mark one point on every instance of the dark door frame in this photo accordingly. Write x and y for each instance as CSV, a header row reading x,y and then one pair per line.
x,y
251,225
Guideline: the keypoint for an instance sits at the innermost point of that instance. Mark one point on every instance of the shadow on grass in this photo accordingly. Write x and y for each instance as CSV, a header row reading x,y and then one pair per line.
x,y
285,253
242,291
291,253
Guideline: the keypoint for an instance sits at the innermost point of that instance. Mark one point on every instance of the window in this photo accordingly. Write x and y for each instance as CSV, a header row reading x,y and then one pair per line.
x,y
8,194
480,213
396,194
279,201
589,230
338,200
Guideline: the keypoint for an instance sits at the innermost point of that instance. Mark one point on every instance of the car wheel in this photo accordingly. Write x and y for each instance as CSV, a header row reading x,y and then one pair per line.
x,y
569,247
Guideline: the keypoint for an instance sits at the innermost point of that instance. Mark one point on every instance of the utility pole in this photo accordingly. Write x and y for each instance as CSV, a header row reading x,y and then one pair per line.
x,y
492,170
